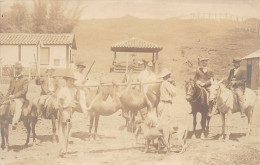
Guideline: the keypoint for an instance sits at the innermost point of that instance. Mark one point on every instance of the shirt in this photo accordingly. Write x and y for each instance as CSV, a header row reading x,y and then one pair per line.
x,y
236,70
167,91
79,78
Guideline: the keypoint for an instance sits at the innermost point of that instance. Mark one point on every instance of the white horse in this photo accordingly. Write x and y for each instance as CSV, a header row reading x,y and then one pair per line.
x,y
226,101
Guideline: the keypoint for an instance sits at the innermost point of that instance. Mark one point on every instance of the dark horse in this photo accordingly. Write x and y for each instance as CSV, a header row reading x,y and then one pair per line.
x,y
28,116
197,97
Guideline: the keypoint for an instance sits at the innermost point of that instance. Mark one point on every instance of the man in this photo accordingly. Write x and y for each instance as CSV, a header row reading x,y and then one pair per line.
x,y
203,74
237,82
48,87
80,80
17,91
202,77
165,107
147,74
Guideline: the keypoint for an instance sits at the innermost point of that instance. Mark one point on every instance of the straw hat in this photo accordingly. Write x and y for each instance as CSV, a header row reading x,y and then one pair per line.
x,y
80,63
165,72
50,68
236,60
204,59
18,65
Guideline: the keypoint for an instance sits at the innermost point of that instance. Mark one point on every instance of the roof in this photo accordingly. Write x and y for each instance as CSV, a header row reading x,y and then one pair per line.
x,y
135,45
34,38
256,54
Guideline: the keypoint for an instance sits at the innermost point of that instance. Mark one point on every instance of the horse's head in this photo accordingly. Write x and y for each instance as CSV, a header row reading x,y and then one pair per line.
x,y
190,89
214,90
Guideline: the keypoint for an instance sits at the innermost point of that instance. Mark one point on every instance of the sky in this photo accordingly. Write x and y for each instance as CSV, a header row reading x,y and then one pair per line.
x,y
158,9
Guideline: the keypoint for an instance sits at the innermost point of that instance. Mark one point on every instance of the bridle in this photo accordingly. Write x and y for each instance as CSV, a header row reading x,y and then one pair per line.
x,y
197,98
218,95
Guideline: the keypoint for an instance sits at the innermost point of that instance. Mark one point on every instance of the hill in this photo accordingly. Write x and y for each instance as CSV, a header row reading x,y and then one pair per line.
x,y
220,41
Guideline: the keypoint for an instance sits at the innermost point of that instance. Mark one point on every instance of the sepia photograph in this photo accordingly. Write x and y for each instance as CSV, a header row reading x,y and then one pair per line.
x,y
130,82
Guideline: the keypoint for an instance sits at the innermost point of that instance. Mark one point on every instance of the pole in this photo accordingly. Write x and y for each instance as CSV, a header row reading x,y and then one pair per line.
x,y
90,69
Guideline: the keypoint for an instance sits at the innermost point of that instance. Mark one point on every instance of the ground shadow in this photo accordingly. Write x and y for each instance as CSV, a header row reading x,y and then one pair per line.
x,y
117,149
85,135
197,134
17,148
233,136
45,138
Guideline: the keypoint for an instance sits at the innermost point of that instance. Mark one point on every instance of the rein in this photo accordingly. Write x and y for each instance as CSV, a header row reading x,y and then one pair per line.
x,y
218,95
197,98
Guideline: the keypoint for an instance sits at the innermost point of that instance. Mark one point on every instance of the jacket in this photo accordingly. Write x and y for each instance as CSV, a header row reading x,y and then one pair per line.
x,y
238,80
44,82
204,77
18,87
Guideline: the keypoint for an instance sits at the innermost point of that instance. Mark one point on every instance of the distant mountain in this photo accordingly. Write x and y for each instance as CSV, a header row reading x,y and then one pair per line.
x,y
183,41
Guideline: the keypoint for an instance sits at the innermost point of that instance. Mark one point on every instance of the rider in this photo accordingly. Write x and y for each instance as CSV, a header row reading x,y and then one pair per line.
x,y
237,82
165,108
48,87
80,80
147,75
203,75
17,91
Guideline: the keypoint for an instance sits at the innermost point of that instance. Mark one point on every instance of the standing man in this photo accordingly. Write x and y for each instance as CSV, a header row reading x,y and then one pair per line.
x,y
17,91
48,87
237,82
80,79
165,107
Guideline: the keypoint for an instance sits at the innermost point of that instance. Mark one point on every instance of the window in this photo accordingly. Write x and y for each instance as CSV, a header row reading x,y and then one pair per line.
x,y
45,56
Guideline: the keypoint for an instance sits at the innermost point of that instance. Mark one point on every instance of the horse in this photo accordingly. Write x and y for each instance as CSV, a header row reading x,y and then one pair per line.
x,y
226,102
99,105
28,116
133,100
197,98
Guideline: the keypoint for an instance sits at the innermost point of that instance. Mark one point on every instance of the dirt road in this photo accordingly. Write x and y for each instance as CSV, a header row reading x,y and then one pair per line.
x,y
115,146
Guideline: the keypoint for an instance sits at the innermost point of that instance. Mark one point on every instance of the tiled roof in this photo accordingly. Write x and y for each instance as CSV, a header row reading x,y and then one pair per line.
x,y
31,39
256,54
136,45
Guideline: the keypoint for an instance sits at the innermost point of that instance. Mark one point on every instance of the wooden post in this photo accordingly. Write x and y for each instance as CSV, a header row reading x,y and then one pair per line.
x,y
153,57
114,58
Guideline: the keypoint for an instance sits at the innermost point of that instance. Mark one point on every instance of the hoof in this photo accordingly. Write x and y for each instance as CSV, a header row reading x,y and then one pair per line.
x,y
221,137
202,136
6,149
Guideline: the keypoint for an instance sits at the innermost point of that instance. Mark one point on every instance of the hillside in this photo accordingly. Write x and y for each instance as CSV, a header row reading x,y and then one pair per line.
x,y
220,41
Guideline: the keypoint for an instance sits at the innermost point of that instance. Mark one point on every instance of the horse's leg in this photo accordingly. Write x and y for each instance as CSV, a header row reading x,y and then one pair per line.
x,y
249,118
194,124
96,126
6,133
228,125
3,135
203,125
26,123
223,126
91,124
207,127
34,121
54,136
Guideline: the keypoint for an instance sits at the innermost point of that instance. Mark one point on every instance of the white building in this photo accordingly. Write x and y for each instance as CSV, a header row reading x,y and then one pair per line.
x,y
54,50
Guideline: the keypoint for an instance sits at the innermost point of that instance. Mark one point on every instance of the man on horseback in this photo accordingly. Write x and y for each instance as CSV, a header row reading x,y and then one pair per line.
x,y
203,75
48,87
237,82
80,79
147,75
17,91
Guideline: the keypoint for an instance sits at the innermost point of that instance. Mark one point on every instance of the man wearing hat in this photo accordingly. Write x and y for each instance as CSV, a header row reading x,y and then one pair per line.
x,y
165,107
80,79
48,87
203,74
17,91
237,82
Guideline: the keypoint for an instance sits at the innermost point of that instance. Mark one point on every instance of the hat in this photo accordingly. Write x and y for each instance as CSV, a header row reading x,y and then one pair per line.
x,y
204,59
18,65
236,59
150,64
81,64
165,72
130,67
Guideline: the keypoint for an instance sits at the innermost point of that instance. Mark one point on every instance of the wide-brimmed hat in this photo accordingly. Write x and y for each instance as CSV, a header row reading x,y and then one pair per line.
x,y
18,65
165,72
204,59
150,64
81,64
236,60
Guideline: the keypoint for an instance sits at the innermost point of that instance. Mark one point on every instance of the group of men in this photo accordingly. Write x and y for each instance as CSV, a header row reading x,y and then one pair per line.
x,y
236,80
19,85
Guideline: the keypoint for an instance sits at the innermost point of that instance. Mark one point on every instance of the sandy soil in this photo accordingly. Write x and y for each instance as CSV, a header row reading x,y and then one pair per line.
x,y
115,146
